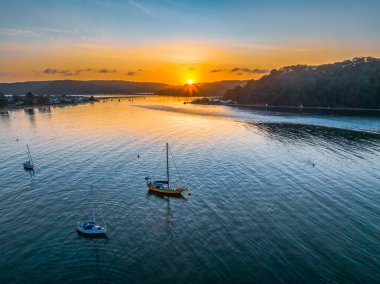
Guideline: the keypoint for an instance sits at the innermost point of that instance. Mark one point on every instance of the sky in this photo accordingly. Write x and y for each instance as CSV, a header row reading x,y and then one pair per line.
x,y
174,41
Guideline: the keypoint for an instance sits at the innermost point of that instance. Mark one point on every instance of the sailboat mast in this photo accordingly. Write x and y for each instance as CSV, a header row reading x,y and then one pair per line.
x,y
93,209
167,162
29,155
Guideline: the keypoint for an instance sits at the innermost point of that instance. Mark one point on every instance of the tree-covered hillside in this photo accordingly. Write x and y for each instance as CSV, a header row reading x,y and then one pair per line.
x,y
352,83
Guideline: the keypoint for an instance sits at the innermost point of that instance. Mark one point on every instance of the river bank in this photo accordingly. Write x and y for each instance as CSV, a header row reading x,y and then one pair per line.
x,y
44,106
293,109
315,110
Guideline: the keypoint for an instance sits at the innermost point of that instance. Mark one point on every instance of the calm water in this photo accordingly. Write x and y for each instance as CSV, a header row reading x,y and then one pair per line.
x,y
275,198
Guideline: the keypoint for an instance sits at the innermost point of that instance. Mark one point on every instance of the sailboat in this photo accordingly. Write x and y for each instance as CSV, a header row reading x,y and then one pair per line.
x,y
164,186
28,165
90,228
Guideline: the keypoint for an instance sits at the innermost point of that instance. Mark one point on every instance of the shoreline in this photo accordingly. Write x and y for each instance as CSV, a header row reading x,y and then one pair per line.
x,y
98,99
25,107
315,110
342,111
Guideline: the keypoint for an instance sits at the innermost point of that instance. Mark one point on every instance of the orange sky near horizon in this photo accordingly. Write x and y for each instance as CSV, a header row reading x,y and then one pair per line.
x,y
169,62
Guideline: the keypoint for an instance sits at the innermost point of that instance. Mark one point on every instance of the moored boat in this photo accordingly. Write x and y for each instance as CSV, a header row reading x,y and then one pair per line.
x,y
90,228
164,186
28,165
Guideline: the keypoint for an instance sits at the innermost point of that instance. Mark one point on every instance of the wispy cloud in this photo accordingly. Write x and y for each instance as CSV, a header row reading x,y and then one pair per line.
x,y
50,71
240,70
64,72
133,73
4,74
85,70
105,70
139,6
16,32
215,70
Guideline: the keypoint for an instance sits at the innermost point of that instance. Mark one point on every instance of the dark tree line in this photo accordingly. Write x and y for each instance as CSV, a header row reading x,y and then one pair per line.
x,y
352,83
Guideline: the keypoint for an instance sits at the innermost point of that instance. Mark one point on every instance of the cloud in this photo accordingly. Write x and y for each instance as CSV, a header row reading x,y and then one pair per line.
x,y
17,32
132,73
70,74
105,70
139,6
3,74
64,72
250,71
102,70
85,70
216,70
50,71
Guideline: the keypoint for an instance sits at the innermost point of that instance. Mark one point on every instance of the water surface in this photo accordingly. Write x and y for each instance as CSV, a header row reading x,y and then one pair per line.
x,y
275,198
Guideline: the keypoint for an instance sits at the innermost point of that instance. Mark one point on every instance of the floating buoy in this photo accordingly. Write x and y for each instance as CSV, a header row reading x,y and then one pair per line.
x,y
138,156
189,193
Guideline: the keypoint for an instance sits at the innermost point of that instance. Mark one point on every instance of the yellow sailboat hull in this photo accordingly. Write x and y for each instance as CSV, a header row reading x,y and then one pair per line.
x,y
166,191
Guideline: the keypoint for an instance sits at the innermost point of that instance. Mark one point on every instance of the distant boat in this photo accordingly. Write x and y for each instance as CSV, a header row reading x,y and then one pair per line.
x,y
164,186
90,228
28,165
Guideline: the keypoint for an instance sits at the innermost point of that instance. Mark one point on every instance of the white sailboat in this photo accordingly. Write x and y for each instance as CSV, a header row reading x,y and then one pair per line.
x,y
28,165
90,228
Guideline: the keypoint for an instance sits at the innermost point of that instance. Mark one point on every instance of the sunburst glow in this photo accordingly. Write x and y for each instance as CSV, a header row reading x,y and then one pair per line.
x,y
190,81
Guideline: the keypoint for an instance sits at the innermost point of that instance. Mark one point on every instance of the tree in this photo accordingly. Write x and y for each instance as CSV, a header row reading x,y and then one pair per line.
x,y
29,97
42,100
3,100
16,99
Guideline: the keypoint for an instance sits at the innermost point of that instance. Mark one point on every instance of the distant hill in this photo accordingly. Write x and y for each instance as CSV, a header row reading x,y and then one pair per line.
x,y
352,83
202,89
73,87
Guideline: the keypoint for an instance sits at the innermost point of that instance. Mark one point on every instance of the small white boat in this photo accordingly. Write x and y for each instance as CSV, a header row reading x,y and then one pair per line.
x,y
28,165
90,228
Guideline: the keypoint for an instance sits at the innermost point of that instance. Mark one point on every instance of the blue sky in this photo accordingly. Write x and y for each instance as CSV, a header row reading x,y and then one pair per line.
x,y
142,20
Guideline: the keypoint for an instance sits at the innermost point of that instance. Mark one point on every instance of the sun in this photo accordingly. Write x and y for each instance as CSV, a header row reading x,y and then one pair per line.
x,y
190,81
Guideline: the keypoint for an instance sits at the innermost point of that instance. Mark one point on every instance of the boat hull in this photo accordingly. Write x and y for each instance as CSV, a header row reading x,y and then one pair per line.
x,y
28,166
176,191
90,233
97,236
